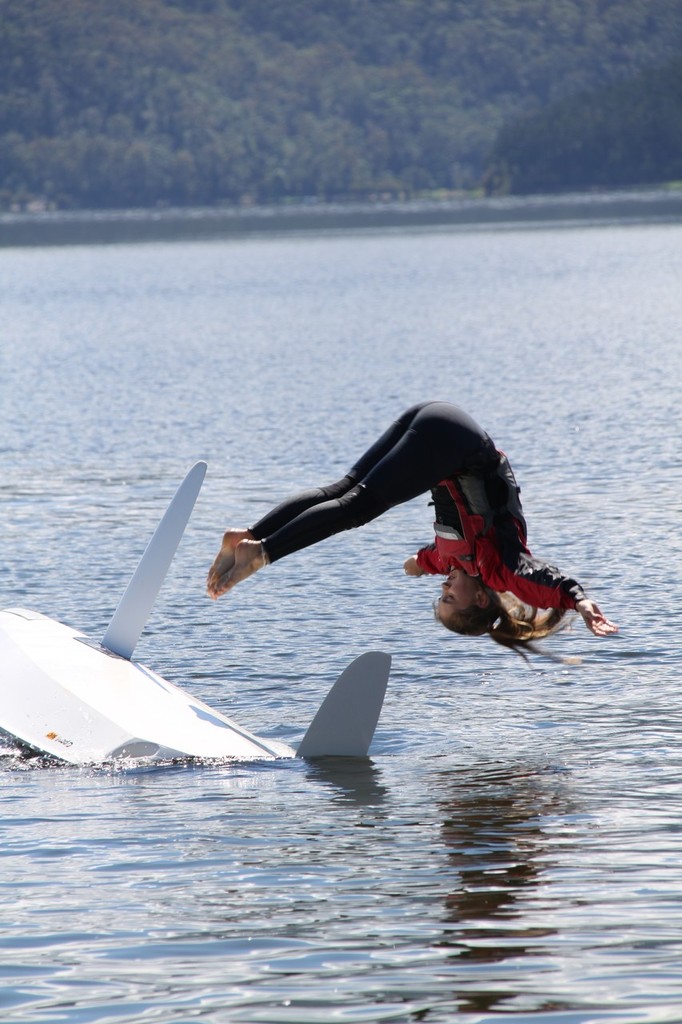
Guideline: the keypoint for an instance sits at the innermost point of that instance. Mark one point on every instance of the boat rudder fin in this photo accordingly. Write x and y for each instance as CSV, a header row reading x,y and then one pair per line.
x,y
345,722
133,609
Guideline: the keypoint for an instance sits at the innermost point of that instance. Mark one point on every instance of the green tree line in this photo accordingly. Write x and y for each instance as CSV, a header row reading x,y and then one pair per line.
x,y
630,133
142,102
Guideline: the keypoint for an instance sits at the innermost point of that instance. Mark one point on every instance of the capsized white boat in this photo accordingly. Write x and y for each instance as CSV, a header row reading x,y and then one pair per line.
x,y
87,702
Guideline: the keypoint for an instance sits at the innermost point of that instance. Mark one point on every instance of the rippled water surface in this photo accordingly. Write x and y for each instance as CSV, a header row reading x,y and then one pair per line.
x,y
514,845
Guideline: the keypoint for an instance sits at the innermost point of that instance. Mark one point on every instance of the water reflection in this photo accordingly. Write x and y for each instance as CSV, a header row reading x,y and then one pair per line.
x,y
495,828
356,779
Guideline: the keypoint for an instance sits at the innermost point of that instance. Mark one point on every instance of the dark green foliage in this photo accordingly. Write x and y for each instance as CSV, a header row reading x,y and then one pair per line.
x,y
626,134
140,102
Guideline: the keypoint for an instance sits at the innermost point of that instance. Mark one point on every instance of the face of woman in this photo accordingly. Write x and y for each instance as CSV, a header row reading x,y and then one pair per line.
x,y
458,593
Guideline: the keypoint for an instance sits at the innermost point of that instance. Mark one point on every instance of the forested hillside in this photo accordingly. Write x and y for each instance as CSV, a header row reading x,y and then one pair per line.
x,y
627,132
140,102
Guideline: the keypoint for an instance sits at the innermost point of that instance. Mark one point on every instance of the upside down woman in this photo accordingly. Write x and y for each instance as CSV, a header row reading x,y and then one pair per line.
x,y
492,582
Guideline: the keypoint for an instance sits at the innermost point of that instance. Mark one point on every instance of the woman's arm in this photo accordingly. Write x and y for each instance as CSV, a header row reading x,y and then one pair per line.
x,y
540,585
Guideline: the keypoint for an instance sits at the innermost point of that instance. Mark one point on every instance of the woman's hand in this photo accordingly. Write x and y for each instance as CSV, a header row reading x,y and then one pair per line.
x,y
411,567
594,619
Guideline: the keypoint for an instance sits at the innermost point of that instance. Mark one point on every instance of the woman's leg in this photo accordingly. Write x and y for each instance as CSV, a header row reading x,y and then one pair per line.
x,y
292,507
440,441
426,444
306,518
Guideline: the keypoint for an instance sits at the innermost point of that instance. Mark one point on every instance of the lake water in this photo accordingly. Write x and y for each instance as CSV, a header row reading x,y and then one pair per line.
x,y
514,845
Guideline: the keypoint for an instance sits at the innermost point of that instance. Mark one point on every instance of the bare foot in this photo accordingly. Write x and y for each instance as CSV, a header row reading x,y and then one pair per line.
x,y
249,557
225,559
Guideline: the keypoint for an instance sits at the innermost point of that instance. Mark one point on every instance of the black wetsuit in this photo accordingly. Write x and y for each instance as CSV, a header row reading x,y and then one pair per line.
x,y
433,447
429,443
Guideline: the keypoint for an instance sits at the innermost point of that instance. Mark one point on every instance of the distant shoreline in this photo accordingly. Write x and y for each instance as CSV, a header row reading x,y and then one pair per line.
x,y
128,226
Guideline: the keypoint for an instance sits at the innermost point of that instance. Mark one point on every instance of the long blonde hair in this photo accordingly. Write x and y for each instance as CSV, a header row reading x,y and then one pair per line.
x,y
507,621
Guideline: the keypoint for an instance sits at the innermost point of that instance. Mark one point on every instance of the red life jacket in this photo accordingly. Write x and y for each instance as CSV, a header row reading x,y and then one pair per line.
x,y
476,514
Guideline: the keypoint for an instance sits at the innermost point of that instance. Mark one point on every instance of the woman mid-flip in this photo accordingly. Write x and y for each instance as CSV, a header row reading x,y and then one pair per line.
x,y
493,584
